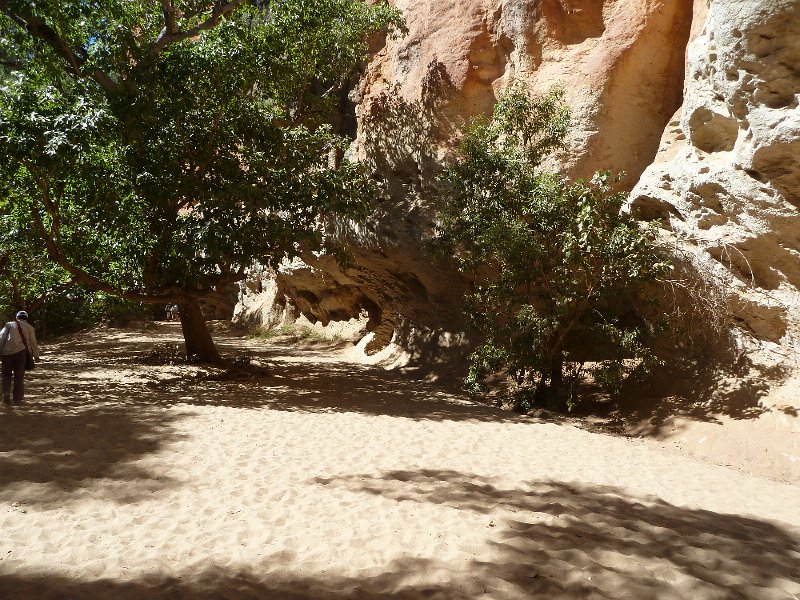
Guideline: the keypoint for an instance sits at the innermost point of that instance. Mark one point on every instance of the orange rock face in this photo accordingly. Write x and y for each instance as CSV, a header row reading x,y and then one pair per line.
x,y
620,62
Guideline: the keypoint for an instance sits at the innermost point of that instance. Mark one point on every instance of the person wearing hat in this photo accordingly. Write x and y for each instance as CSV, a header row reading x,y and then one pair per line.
x,y
16,338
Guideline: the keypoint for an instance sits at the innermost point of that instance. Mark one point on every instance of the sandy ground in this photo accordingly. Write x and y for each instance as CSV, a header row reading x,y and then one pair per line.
x,y
328,480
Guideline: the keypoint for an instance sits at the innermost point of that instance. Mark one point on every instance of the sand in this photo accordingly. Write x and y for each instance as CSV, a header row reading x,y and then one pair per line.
x,y
329,480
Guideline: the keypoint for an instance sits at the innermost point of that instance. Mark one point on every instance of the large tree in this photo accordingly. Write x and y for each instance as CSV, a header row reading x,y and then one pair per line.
x,y
158,148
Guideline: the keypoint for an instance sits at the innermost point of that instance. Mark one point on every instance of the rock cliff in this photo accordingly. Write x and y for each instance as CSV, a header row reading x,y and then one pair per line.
x,y
725,183
697,102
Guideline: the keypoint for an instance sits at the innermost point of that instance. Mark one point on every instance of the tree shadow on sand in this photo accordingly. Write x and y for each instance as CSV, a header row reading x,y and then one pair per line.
x,y
49,456
93,412
700,392
545,540
579,541
325,387
300,379
82,428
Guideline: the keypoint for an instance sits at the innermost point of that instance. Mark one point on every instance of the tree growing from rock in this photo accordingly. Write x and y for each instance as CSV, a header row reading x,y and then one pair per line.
x,y
158,148
557,265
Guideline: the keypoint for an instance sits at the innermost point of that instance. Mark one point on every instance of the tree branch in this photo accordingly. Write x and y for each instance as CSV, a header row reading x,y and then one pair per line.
x,y
74,60
56,289
170,18
170,34
44,192
58,256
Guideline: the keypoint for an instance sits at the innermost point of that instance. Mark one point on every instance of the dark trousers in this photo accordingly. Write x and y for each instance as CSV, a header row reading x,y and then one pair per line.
x,y
14,366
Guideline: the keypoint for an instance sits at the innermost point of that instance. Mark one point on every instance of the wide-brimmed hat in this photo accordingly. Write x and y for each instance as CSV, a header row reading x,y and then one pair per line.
x,y
22,315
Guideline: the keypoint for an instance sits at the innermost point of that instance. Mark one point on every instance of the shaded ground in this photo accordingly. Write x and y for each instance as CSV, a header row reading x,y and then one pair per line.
x,y
573,555
327,480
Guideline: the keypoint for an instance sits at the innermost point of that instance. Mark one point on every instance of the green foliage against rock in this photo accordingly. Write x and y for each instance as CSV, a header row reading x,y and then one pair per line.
x,y
557,266
158,149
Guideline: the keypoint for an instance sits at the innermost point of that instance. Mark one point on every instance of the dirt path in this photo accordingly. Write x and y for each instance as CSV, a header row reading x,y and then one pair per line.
x,y
327,480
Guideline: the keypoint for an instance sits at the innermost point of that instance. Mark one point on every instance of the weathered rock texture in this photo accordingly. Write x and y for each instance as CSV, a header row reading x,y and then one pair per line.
x,y
621,63
725,184
715,128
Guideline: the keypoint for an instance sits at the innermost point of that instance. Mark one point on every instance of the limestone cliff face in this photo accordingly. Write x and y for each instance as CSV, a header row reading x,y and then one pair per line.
x,y
725,178
725,183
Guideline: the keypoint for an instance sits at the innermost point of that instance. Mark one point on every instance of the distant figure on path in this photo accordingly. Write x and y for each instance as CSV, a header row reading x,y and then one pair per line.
x,y
16,338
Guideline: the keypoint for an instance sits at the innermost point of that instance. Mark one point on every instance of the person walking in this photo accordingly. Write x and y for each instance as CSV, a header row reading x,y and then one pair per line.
x,y
16,338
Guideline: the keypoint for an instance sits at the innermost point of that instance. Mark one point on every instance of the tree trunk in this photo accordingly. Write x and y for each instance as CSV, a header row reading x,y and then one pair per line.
x,y
557,371
196,334
16,295
548,391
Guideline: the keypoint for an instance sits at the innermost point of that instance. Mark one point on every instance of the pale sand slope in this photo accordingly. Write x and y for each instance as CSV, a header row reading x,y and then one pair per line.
x,y
329,481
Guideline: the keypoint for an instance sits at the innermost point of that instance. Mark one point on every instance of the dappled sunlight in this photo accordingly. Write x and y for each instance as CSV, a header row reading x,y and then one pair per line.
x,y
49,457
572,540
314,478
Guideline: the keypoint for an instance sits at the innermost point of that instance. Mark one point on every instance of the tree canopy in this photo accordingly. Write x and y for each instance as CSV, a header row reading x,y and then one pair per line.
x,y
156,149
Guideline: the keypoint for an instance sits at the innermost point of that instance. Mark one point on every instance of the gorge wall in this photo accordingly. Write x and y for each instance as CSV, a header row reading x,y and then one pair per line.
x,y
697,102
725,184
